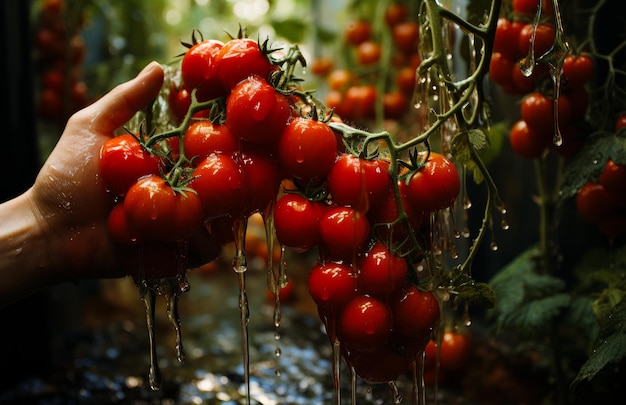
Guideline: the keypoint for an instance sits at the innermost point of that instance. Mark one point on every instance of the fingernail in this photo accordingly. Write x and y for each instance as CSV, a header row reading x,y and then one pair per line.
x,y
149,67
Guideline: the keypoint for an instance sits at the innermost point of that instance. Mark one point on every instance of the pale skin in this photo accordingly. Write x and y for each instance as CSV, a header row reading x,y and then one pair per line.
x,y
56,232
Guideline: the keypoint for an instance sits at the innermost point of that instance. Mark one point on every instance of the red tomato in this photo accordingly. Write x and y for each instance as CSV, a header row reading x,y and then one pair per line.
x,y
256,112
153,260
620,122
380,271
344,231
407,303
218,182
526,7
118,227
357,32
594,202
358,182
204,137
395,105
368,52
240,58
523,84
359,101
155,211
405,35
261,179
339,79
506,38
365,323
454,352
527,142
179,101
396,13
307,149
332,285
405,80
322,66
537,111
434,186
197,68
613,177
578,69
296,220
123,160
383,365
544,38
501,72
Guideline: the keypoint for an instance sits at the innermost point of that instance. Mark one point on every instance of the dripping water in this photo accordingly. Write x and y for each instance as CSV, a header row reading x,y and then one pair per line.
x,y
174,317
240,267
154,375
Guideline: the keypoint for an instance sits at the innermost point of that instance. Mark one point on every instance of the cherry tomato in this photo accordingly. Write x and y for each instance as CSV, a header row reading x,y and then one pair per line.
x,y
405,80
179,101
123,160
527,142
368,52
261,179
296,220
537,111
379,366
620,122
409,301
240,58
322,66
613,177
544,38
506,38
204,137
155,211
501,72
595,203
395,105
339,79
578,69
434,186
358,182
359,101
198,68
525,7
332,285
218,182
256,112
405,36
365,323
454,352
357,32
344,231
395,13
118,227
307,149
380,271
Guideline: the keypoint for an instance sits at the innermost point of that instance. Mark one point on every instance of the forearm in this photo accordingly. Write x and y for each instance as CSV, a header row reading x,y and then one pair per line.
x,y
24,251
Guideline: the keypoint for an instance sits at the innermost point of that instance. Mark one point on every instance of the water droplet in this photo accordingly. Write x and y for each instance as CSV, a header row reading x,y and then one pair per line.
x,y
493,246
504,225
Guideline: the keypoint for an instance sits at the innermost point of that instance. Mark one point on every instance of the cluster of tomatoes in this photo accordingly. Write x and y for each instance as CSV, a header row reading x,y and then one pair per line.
x,y
533,134
353,88
248,142
60,55
602,201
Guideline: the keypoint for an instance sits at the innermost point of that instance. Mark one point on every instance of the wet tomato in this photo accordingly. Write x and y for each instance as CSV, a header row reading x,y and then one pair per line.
x,y
204,137
198,68
343,231
240,58
365,323
296,220
527,142
218,182
380,271
332,285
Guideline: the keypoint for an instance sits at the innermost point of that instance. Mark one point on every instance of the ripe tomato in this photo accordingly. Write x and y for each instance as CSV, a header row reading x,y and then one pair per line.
x,y
261,179
506,38
544,38
620,122
395,105
296,220
409,301
578,69
368,52
594,202
537,111
358,31
344,231
155,211
240,58
339,79
358,182
123,160
405,80
379,366
332,285
525,7
218,182
197,68
395,13
204,137
501,71
434,186
118,227
527,142
307,149
322,66
405,36
359,102
256,112
613,177
380,271
365,323
454,352
179,101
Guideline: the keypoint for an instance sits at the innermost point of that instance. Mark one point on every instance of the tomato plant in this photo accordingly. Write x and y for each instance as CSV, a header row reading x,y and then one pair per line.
x,y
198,69
240,58
365,323
204,137
296,219
343,230
218,182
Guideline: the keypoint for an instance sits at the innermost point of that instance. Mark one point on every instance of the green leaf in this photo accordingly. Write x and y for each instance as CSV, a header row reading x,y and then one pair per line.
x,y
609,347
534,317
590,161
479,293
478,138
580,315
292,29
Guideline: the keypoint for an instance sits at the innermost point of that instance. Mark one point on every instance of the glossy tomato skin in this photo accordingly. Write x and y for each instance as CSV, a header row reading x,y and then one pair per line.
x,y
433,187
155,211
365,323
594,203
544,38
198,69
332,285
307,149
123,160
358,182
578,69
256,112
240,58
358,31
343,232
261,178
296,220
118,226
218,182
613,177
415,312
204,137
379,366
381,273
506,38
527,142
454,352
